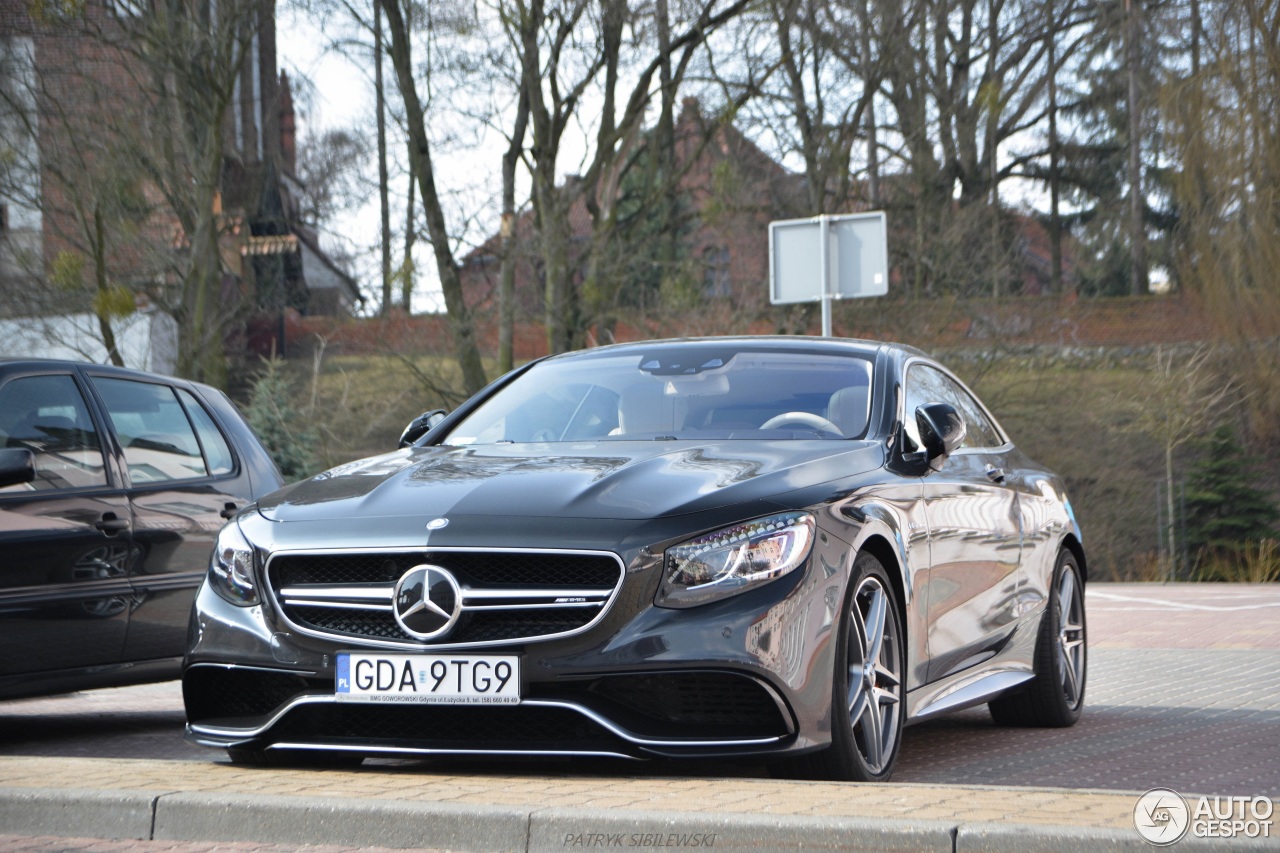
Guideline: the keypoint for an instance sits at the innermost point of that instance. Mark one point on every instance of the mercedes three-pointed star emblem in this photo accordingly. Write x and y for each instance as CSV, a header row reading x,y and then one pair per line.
x,y
427,602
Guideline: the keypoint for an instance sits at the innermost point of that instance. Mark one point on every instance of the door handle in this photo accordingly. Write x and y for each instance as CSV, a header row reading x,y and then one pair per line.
x,y
111,524
994,474
228,511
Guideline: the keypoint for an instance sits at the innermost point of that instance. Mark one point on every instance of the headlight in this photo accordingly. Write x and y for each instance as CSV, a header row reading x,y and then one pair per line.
x,y
231,567
734,559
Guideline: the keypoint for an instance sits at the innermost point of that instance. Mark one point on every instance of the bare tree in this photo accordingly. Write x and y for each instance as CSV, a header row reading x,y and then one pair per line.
x,y
185,57
330,167
569,51
1223,123
1183,399
384,201
54,167
420,158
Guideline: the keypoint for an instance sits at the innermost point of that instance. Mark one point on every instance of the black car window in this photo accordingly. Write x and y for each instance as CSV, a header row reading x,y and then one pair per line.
x,y
927,385
159,442
216,452
48,415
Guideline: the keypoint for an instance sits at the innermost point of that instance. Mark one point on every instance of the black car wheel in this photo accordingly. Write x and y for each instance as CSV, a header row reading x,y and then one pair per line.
x,y
1055,697
867,708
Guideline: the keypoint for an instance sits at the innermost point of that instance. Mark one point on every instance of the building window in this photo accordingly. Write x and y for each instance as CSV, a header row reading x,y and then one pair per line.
x,y
715,265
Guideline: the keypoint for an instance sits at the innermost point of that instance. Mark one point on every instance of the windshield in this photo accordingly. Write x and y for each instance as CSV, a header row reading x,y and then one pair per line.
x,y
670,393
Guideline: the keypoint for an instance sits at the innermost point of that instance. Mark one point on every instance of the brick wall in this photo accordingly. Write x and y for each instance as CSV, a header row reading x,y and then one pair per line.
x,y
940,325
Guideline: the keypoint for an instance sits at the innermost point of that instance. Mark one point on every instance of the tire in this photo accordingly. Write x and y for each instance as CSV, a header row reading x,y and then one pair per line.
x,y
867,700
292,758
1055,697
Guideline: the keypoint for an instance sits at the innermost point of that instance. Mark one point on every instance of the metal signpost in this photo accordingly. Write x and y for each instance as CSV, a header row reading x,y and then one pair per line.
x,y
828,257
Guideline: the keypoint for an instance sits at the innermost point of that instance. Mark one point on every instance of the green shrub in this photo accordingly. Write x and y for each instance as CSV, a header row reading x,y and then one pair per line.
x,y
1226,511
277,422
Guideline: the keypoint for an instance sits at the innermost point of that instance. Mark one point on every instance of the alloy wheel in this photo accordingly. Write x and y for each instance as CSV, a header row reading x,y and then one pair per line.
x,y
1071,638
875,673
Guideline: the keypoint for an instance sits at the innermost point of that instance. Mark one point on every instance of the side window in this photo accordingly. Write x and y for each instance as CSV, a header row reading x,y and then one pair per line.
x,y
981,432
48,415
159,442
216,452
924,385
927,385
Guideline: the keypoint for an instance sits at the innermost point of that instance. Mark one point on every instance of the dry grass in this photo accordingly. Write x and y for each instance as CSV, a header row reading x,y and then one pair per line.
x,y
1257,562
359,405
1072,420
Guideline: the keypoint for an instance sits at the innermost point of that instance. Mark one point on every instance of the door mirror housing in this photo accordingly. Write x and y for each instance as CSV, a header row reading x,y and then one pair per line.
x,y
942,430
421,425
17,465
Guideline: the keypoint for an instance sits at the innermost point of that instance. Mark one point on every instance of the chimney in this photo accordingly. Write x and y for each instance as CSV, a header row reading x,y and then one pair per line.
x,y
288,132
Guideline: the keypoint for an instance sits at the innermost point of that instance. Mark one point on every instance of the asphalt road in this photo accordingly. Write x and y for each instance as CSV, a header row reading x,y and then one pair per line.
x,y
1184,692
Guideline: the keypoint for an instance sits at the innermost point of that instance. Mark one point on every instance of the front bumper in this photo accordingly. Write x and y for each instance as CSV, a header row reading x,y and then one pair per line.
x,y
747,675
617,715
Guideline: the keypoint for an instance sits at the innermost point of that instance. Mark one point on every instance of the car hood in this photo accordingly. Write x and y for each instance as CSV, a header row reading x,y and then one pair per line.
x,y
610,479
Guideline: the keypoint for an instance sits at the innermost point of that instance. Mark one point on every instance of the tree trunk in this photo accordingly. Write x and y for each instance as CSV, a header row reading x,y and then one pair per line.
x,y
384,202
1137,226
408,270
464,342
555,267
507,285
873,143
104,286
1055,189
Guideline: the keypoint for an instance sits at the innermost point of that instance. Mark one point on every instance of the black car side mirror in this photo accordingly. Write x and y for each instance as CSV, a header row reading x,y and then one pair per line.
x,y
17,465
942,430
421,425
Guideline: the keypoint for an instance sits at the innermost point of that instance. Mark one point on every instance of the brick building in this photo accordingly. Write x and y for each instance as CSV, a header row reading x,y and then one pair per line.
x,y
732,190
70,93
730,193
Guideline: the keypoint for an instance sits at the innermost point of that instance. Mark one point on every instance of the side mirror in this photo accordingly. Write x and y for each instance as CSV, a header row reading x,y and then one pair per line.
x,y
942,430
421,425
17,465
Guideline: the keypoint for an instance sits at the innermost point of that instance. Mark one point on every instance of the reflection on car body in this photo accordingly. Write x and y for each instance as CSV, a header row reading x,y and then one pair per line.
x,y
779,547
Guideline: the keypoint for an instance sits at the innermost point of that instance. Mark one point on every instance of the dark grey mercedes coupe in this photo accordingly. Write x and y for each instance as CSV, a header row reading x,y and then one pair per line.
x,y
779,547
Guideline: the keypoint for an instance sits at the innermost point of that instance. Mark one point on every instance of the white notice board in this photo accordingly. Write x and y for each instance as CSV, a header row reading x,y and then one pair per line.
x,y
857,258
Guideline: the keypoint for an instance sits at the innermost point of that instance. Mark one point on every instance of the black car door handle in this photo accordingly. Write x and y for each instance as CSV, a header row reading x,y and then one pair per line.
x,y
994,474
111,523
228,511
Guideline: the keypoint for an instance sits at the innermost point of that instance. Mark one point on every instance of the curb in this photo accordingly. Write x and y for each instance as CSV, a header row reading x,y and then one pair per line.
x,y
578,829
77,812
231,818
339,820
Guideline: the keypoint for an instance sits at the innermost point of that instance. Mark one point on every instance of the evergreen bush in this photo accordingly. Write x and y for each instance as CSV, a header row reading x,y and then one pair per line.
x,y
1228,515
278,423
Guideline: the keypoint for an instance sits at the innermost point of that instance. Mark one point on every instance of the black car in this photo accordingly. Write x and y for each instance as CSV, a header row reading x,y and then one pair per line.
x,y
780,547
113,485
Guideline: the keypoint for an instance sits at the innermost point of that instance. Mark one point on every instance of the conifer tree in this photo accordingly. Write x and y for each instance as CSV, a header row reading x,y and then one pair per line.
x,y
278,423
1225,509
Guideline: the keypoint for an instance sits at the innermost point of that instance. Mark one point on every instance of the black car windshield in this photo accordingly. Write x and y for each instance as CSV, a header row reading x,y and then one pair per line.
x,y
673,393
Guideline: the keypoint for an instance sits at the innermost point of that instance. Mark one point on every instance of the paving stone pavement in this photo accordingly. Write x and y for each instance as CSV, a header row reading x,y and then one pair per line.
x,y
1184,692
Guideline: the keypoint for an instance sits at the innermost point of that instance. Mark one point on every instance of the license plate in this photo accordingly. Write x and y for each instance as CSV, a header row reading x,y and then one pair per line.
x,y
429,679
